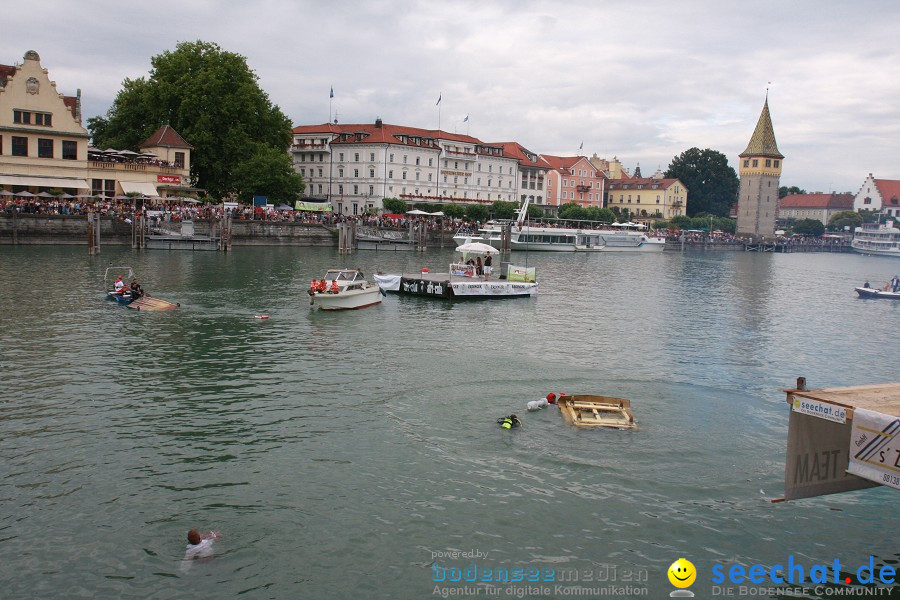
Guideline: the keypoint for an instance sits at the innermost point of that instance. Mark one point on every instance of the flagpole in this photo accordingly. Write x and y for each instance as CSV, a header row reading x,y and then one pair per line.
x,y
440,96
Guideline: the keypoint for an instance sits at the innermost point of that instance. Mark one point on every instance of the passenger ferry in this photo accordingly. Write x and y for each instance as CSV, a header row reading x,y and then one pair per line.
x,y
877,238
542,238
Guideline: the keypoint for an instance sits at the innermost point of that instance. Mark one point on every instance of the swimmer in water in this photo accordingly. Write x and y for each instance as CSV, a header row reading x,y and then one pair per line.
x,y
199,546
509,422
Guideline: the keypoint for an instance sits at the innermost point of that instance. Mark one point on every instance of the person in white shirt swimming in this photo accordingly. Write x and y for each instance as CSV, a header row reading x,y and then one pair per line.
x,y
543,402
199,546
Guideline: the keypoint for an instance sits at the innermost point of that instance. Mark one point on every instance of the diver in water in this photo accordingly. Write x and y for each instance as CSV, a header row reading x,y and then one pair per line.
x,y
509,422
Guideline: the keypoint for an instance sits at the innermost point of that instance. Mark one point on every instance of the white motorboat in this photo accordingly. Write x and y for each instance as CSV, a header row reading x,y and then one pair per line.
x,y
344,289
583,237
877,238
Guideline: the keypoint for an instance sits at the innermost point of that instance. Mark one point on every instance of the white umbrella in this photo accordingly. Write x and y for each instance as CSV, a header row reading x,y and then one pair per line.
x,y
477,248
417,212
437,214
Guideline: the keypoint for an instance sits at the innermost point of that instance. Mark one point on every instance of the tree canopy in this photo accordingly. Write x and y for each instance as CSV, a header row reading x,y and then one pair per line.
x,y
575,211
712,185
809,227
212,98
787,191
848,218
504,210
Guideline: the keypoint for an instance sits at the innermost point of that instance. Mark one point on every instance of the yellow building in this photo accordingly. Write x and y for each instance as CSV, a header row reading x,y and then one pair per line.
x,y
648,199
44,146
42,142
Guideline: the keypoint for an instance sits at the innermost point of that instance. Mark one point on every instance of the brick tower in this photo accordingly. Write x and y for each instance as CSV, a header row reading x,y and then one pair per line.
x,y
760,170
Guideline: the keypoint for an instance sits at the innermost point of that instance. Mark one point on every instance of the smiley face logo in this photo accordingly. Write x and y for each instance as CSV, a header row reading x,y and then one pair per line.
x,y
682,573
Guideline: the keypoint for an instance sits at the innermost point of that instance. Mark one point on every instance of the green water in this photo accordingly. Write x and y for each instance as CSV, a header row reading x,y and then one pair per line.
x,y
345,455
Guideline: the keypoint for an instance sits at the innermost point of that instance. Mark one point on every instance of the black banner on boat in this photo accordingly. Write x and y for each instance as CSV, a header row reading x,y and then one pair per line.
x,y
423,287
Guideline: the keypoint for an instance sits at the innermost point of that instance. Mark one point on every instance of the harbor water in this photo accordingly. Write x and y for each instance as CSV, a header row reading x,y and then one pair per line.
x,y
357,455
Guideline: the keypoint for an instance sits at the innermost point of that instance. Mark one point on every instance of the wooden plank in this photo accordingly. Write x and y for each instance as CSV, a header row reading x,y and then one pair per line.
x,y
152,304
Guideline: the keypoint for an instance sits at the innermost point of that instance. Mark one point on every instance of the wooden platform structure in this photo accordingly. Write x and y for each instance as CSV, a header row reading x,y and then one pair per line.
x,y
596,411
153,304
826,439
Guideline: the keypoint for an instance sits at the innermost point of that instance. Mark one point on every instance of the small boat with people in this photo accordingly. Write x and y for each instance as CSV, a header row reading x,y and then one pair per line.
x,y
466,278
125,289
889,291
573,236
596,411
343,289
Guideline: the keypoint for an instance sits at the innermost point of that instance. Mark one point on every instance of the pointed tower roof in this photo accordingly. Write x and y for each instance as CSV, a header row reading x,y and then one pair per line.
x,y
763,141
637,171
165,136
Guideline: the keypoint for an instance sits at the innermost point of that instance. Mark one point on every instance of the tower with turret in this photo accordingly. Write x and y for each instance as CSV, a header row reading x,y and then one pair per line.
x,y
760,172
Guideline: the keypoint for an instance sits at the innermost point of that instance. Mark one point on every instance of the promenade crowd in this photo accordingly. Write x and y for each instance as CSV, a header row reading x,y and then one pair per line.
x,y
166,211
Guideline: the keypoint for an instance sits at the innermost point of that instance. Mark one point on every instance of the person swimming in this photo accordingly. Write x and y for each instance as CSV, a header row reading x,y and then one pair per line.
x,y
509,422
199,546
542,403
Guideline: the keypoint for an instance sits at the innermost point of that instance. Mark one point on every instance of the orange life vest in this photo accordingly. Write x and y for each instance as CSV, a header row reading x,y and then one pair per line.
x,y
334,287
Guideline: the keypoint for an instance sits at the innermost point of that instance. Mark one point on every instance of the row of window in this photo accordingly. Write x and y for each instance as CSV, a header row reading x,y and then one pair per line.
x,y
312,173
27,117
770,163
356,155
45,147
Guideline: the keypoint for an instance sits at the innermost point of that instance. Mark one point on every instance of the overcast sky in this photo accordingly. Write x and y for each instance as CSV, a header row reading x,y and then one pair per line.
x,y
642,81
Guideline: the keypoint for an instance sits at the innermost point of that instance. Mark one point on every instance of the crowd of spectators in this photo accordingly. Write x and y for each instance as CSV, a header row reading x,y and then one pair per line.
x,y
176,211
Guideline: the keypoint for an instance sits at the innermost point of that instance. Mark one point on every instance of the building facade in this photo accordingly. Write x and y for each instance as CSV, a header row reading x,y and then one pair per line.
x,y
820,207
648,199
878,194
760,173
356,166
44,146
574,179
533,170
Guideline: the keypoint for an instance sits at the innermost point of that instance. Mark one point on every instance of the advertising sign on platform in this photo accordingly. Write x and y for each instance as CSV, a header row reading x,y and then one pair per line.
x,y
168,179
313,206
875,447
817,408
521,273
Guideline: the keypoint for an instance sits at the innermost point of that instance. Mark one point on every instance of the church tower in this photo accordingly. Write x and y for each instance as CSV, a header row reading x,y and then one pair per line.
x,y
760,170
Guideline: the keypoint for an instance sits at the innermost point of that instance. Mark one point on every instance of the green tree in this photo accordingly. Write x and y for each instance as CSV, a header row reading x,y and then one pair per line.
x,y
845,218
535,212
680,222
266,172
213,99
504,210
604,215
712,185
869,216
787,191
455,211
572,210
809,227
395,206
477,212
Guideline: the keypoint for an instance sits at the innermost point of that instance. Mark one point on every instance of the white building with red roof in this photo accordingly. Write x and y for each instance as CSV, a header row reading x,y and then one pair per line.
x,y
574,179
878,194
533,171
356,166
820,207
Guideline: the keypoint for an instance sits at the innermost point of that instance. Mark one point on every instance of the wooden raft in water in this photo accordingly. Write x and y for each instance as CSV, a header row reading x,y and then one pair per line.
x,y
149,303
596,411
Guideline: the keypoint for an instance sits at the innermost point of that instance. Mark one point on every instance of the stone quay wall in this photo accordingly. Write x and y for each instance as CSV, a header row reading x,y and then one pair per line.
x,y
72,230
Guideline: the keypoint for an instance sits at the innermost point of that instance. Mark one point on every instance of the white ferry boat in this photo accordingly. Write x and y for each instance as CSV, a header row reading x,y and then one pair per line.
x,y
877,239
543,238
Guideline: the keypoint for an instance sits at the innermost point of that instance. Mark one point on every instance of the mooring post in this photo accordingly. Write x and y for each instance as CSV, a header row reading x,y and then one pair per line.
x,y
801,383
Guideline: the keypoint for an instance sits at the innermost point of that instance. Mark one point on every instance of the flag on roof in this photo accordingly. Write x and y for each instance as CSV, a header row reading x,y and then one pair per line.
x,y
331,94
439,100
466,119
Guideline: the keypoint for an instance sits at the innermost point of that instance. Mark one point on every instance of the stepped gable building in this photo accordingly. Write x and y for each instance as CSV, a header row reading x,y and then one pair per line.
x,y
760,173
356,166
814,206
574,179
533,170
879,194
43,144
648,199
